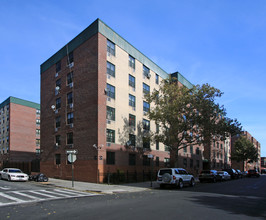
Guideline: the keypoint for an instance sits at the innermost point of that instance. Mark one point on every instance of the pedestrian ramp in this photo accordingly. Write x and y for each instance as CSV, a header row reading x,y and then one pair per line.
x,y
28,196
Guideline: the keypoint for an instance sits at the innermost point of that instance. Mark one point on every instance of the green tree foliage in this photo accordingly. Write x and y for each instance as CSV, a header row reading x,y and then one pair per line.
x,y
188,116
244,150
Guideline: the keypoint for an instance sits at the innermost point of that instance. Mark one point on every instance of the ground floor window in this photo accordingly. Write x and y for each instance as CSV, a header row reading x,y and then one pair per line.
x,y
110,158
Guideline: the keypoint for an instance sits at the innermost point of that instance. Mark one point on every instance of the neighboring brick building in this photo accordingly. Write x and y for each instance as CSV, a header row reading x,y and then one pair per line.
x,y
92,100
244,165
19,131
263,164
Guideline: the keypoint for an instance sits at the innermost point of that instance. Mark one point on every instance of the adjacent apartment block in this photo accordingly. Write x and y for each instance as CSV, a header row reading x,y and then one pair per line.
x,y
244,165
19,131
92,101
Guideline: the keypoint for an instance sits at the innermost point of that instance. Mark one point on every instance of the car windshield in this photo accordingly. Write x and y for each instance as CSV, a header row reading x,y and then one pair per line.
x,y
162,172
14,171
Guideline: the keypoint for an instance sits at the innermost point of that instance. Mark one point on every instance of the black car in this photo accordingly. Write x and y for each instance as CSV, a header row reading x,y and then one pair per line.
x,y
232,172
208,175
252,173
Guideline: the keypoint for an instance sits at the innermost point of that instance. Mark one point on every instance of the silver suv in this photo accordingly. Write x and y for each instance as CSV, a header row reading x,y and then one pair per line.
x,y
174,176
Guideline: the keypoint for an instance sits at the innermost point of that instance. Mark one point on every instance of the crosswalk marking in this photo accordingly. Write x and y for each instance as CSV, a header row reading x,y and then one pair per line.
x,y
28,196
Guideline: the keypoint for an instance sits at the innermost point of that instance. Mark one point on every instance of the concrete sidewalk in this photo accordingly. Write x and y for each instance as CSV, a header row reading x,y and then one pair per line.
x,y
100,188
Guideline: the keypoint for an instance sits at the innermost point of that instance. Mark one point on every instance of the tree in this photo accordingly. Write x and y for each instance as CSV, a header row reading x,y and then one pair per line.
x,y
211,120
244,150
172,111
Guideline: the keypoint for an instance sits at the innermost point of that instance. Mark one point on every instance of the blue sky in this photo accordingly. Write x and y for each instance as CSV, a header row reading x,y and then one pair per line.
x,y
220,42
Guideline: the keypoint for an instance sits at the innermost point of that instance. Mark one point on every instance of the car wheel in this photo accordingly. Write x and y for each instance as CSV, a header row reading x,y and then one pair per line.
x,y
192,182
180,184
9,178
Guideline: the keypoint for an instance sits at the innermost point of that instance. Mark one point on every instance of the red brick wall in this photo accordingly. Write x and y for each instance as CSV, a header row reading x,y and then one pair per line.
x,y
22,133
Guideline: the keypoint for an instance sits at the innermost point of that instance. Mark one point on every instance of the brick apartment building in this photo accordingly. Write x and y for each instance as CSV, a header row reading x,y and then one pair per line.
x,y
92,100
19,132
244,165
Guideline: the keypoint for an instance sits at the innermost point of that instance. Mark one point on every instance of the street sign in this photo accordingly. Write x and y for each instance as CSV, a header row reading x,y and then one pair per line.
x,y
71,151
71,158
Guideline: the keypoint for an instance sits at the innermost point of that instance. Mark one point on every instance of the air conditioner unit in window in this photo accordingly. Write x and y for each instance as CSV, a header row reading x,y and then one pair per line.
x,y
108,76
145,113
109,99
108,121
71,105
70,85
108,144
148,75
56,75
56,111
56,129
71,125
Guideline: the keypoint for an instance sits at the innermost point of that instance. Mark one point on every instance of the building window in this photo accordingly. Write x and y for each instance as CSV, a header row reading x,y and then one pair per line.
x,y
131,81
185,162
132,139
217,145
156,78
110,113
70,58
57,159
111,47
197,151
191,149
38,111
185,148
38,131
157,145
131,61
38,142
69,98
38,121
146,125
70,117
191,163
146,89
58,83
157,161
167,162
110,158
110,69
110,91
146,143
166,148
110,136
58,122
157,128
132,101
58,103
70,138
58,66
38,151
132,120
132,159
146,71
146,107
58,140
146,160
69,78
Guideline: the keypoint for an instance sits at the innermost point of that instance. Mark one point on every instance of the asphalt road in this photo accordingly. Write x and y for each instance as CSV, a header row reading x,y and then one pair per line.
x,y
236,199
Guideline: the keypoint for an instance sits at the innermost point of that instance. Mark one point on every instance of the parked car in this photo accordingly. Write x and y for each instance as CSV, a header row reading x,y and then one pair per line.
x,y
239,173
232,172
252,173
208,175
38,178
244,173
174,176
13,174
223,175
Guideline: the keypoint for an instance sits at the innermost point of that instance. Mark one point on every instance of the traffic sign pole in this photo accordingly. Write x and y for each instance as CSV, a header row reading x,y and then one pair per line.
x,y
72,170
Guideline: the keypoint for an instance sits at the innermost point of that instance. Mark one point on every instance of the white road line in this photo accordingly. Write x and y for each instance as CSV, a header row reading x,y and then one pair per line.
x,y
72,192
26,195
4,187
11,197
42,194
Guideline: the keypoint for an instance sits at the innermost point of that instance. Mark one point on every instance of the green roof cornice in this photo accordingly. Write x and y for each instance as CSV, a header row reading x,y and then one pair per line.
x,y
19,102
